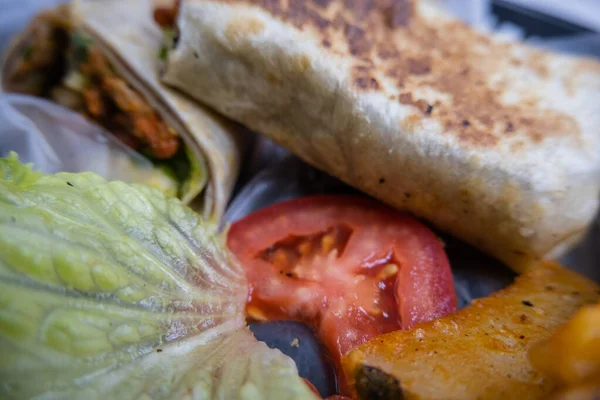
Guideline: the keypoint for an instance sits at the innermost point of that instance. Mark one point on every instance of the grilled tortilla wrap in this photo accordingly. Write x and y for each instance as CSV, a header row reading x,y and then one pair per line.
x,y
496,143
101,58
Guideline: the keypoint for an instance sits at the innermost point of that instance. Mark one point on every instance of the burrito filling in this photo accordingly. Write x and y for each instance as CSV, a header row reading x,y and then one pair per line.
x,y
69,68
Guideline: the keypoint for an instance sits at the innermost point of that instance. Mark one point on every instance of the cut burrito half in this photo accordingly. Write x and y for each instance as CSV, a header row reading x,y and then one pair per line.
x,y
101,59
496,143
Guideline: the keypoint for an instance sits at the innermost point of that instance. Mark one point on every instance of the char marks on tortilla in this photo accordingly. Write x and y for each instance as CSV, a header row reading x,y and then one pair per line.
x,y
496,143
386,38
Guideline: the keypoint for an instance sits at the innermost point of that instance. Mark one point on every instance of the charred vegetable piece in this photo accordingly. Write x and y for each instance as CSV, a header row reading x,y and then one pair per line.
x,y
481,351
374,384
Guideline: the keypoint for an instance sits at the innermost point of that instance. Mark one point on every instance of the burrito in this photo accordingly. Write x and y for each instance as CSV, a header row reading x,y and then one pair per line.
x,y
496,143
100,59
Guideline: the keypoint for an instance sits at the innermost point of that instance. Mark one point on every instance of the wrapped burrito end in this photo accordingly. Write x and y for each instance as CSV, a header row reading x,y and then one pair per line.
x,y
90,57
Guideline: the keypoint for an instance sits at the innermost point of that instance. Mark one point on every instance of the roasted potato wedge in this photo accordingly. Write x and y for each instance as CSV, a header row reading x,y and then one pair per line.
x,y
480,352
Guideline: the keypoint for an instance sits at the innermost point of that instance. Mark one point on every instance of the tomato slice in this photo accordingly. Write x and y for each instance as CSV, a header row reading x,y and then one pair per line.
x,y
348,266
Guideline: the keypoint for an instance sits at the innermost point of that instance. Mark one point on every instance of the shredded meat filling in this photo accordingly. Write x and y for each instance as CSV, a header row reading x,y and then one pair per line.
x,y
111,99
73,71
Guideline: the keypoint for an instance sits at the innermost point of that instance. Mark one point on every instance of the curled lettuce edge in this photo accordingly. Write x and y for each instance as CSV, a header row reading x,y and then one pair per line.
x,y
110,290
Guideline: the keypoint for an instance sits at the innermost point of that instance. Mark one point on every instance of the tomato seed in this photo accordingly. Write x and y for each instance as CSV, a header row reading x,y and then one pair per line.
x,y
387,271
280,258
305,248
327,243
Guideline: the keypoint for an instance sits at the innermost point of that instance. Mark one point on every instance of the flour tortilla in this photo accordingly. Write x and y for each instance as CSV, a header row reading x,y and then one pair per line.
x,y
495,143
131,40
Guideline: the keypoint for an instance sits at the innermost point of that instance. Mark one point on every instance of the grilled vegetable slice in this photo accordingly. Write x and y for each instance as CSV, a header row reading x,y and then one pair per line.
x,y
479,352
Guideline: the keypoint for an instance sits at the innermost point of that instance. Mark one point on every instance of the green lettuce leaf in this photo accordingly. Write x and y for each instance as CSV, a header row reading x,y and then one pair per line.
x,y
110,290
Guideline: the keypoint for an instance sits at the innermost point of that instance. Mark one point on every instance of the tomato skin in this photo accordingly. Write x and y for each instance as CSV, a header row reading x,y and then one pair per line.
x,y
348,266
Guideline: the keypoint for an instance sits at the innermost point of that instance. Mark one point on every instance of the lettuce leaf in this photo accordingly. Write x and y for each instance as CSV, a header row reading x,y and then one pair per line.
x,y
110,290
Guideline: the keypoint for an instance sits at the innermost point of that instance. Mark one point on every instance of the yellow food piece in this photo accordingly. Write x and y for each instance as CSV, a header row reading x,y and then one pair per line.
x,y
573,353
480,352
572,356
327,243
387,272
255,313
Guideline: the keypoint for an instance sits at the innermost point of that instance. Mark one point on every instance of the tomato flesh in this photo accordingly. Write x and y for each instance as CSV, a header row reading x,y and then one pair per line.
x,y
349,267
